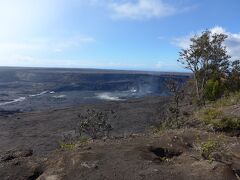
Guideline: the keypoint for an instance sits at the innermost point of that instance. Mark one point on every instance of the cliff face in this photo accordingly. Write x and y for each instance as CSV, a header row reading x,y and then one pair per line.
x,y
86,80
24,89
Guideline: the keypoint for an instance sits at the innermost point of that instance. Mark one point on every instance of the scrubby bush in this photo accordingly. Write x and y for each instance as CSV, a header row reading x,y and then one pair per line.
x,y
227,123
208,147
229,100
169,122
67,146
95,123
210,114
219,120
212,145
71,145
172,117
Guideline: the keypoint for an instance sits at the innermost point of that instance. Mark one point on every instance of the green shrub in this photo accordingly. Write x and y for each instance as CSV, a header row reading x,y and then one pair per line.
x,y
219,121
207,148
67,146
211,114
212,145
169,123
227,123
213,90
229,100
72,145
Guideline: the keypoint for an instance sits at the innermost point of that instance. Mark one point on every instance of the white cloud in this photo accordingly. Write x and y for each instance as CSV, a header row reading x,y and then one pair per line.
x,y
232,42
182,42
142,9
218,30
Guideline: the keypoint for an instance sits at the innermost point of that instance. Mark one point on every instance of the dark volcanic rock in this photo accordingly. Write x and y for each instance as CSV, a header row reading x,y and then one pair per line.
x,y
128,158
18,165
13,154
20,170
6,113
42,131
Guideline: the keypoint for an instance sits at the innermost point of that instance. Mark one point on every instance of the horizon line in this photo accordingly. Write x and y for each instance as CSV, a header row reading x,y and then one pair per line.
x,y
100,69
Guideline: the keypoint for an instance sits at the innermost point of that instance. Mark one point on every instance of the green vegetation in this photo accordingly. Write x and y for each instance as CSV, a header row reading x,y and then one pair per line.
x,y
165,159
211,114
219,120
229,100
214,73
67,146
169,123
210,146
207,148
227,123
213,89
215,84
71,145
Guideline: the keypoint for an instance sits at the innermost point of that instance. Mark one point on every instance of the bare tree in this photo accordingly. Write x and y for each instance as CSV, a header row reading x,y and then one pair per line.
x,y
175,87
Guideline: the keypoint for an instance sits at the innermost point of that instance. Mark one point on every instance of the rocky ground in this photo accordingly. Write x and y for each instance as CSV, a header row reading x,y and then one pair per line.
x,y
42,131
134,150
168,155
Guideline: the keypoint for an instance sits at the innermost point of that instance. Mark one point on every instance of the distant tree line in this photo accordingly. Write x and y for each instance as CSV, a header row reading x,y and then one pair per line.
x,y
215,73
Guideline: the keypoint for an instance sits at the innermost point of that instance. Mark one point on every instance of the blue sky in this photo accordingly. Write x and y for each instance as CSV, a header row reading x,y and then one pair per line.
x,y
110,34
